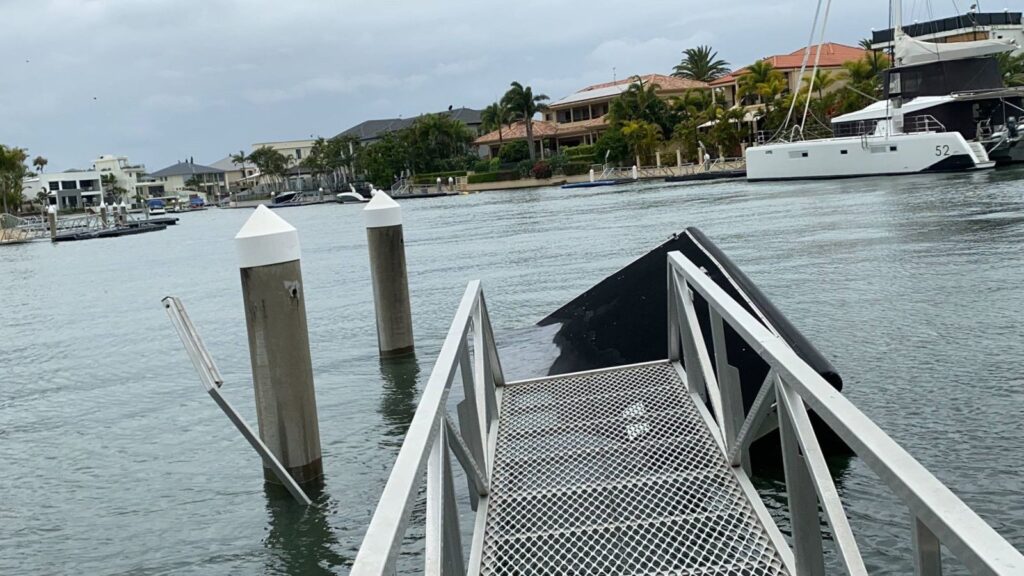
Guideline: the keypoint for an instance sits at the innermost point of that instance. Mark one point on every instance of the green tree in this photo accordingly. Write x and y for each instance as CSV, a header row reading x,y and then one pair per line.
x,y
436,143
39,163
12,172
866,43
515,151
523,105
611,147
643,139
494,117
640,102
384,160
823,80
1011,67
271,163
108,182
701,63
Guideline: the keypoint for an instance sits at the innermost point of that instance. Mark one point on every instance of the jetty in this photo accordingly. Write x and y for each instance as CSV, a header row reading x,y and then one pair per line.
x,y
645,468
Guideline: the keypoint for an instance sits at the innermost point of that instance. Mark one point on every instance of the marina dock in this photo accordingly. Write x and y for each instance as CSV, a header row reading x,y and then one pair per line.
x,y
644,469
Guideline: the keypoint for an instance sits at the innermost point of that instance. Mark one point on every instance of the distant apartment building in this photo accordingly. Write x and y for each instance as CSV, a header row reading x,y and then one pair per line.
x,y
370,131
965,28
833,55
580,117
184,180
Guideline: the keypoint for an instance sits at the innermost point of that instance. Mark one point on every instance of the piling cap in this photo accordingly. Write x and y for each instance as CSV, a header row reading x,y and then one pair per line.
x,y
382,211
52,209
266,239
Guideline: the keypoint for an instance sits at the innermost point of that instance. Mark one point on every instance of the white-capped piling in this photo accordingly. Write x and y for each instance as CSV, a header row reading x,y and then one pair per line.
x,y
636,173
123,213
51,219
383,219
103,213
275,316
591,174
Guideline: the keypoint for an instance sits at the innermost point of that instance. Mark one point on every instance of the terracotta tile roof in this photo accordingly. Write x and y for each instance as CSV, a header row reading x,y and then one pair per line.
x,y
517,131
669,83
832,56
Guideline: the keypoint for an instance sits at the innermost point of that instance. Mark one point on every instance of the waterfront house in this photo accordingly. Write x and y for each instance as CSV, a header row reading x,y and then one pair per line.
x,y
370,131
126,175
69,190
833,55
183,181
579,118
965,28
235,175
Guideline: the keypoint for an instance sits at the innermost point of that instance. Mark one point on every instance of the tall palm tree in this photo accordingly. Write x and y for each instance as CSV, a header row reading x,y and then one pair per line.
x,y
823,80
39,162
642,137
757,77
494,117
866,43
701,63
524,104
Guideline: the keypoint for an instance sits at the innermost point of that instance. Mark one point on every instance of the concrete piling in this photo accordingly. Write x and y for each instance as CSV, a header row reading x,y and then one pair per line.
x,y
383,219
657,159
636,173
123,213
51,219
679,158
103,213
275,315
591,174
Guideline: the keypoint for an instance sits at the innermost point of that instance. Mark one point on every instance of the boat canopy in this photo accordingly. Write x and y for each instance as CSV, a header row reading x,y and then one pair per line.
x,y
156,203
879,110
910,51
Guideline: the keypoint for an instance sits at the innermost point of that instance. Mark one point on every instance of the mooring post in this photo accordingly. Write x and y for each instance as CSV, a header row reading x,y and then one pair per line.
x,y
679,158
51,218
636,175
383,219
103,213
591,174
124,213
657,159
275,316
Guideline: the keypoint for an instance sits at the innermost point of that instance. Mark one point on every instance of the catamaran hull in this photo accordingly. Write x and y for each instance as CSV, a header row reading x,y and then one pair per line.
x,y
854,157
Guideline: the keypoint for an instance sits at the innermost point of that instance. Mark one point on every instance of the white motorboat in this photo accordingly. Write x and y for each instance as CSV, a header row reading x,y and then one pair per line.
x,y
350,198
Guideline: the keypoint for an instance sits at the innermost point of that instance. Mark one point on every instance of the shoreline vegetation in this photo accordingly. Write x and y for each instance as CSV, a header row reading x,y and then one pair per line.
x,y
641,124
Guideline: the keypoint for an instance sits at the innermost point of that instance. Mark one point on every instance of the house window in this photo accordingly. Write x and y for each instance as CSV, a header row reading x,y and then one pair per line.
x,y
803,154
892,148
298,154
54,186
842,151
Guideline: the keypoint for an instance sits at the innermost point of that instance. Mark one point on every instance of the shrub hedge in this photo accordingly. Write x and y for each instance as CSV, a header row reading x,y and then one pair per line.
x,y
492,177
576,168
431,177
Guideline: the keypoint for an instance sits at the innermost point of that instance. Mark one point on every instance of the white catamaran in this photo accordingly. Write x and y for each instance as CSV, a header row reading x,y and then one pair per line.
x,y
890,141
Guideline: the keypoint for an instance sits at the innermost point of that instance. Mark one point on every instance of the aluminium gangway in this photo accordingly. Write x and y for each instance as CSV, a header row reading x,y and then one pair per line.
x,y
626,470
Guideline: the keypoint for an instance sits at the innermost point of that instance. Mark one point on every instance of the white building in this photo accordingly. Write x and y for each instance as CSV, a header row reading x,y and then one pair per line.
x,y
126,176
295,150
69,190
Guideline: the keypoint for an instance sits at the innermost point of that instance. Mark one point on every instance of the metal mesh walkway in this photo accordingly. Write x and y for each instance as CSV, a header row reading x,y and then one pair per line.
x,y
616,472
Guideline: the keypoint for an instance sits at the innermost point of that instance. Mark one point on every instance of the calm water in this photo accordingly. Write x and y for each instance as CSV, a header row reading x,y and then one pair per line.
x,y
114,461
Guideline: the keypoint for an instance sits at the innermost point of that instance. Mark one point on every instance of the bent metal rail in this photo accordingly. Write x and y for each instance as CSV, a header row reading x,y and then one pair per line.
x,y
938,517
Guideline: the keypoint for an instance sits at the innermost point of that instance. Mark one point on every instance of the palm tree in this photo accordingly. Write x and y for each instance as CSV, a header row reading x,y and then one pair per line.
x,y
523,105
39,162
493,117
642,137
239,160
108,182
866,43
823,80
641,102
701,63
757,77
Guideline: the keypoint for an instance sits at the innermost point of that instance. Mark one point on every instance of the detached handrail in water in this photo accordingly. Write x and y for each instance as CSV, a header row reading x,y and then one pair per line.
x,y
428,440
937,515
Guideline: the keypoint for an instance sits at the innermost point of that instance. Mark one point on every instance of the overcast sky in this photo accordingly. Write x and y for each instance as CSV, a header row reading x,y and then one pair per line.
x,y
162,80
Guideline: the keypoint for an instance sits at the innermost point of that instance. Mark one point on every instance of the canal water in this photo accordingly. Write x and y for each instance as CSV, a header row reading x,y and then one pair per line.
x,y
114,461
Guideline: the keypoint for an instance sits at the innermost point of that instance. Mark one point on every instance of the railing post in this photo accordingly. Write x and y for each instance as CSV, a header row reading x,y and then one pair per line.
x,y
927,549
802,496
729,386
673,314
443,537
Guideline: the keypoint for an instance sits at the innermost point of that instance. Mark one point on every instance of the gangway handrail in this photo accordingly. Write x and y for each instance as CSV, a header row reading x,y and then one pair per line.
x,y
938,516
471,441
